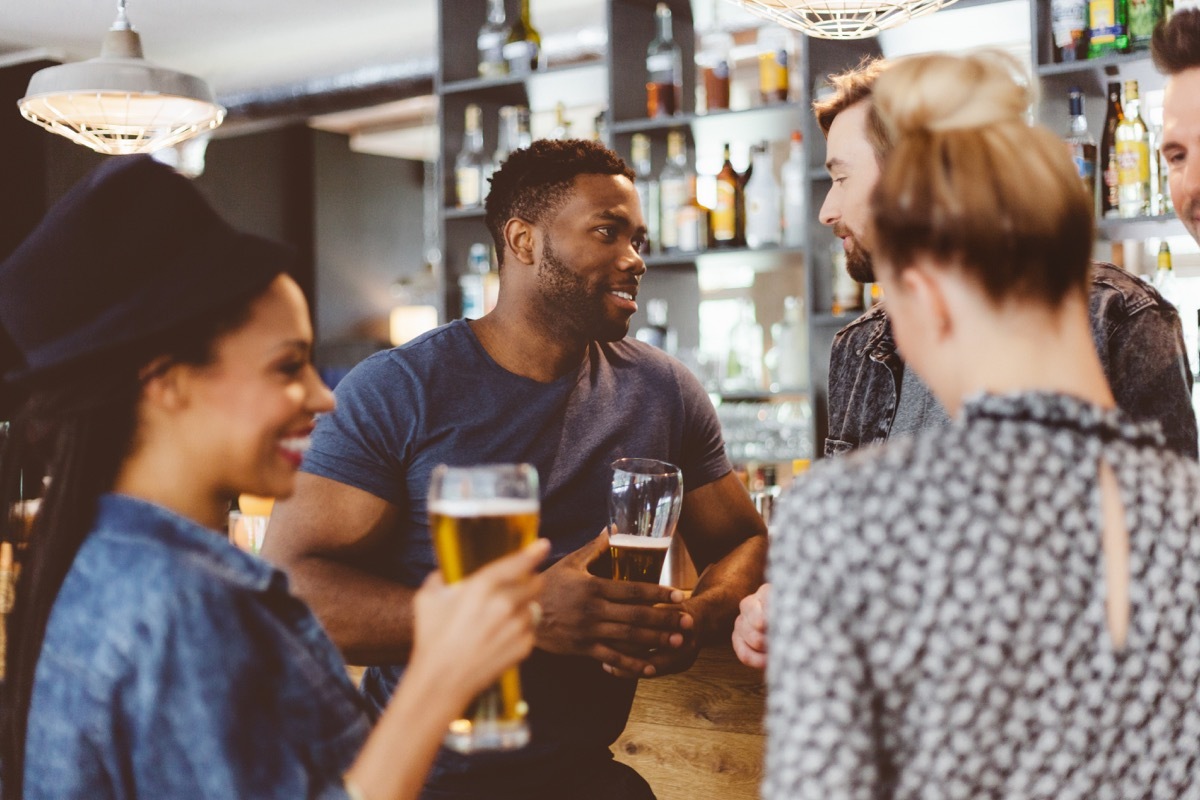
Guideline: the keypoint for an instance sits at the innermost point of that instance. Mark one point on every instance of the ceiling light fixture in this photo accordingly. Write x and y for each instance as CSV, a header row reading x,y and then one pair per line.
x,y
841,19
119,103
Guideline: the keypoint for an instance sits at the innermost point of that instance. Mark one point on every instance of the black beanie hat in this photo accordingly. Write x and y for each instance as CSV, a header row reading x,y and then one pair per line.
x,y
131,251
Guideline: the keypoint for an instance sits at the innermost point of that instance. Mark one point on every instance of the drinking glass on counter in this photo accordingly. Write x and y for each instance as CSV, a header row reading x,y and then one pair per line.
x,y
643,508
248,523
476,515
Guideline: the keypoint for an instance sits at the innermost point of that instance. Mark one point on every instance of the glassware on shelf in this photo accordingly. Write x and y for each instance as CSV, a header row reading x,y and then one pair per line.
x,y
716,68
647,187
1082,144
1110,195
672,191
490,42
776,430
471,163
774,55
523,50
792,185
762,201
664,69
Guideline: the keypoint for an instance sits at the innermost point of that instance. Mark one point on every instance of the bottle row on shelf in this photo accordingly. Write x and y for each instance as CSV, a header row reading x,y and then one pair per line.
x,y
1126,171
687,212
515,49
1084,29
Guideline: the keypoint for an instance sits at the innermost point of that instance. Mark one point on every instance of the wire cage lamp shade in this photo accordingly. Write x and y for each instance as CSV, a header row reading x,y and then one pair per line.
x,y
119,103
841,19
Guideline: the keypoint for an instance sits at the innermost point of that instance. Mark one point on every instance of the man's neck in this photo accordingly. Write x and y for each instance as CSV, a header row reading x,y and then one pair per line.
x,y
525,348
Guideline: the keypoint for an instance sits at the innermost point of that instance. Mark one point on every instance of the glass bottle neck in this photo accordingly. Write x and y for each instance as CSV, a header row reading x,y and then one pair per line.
x,y
496,12
664,27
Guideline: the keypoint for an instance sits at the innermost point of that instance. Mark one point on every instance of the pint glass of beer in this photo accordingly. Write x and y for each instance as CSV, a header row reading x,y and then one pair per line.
x,y
476,515
643,508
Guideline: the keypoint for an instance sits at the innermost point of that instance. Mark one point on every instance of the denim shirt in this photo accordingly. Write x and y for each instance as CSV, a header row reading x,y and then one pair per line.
x,y
176,666
1138,338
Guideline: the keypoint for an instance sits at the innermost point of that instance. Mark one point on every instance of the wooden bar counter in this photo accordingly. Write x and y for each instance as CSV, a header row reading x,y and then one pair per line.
x,y
699,734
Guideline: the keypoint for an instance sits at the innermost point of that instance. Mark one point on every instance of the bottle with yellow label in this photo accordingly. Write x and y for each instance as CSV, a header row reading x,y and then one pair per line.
x,y
725,227
1108,27
1133,157
774,44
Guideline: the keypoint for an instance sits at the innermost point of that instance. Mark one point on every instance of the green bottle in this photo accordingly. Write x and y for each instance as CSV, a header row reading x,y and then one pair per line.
x,y
1108,27
1143,16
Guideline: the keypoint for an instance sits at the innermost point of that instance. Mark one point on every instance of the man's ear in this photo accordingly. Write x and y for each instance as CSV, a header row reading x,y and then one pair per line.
x,y
165,384
520,239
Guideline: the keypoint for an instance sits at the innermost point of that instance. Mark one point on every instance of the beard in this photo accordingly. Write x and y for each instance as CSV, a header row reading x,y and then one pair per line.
x,y
859,264
569,308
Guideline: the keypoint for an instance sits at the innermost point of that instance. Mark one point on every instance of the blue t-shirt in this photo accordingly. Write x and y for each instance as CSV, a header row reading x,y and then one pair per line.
x,y
441,399
177,666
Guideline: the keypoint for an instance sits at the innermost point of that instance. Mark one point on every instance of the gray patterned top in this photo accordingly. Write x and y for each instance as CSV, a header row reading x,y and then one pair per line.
x,y
937,618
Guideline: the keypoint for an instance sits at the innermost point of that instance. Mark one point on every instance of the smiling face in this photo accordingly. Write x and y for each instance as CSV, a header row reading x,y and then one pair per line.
x,y
854,169
1181,146
250,411
588,260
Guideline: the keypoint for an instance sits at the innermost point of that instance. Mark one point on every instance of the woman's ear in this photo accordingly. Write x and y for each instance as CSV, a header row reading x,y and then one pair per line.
x,y
925,285
165,384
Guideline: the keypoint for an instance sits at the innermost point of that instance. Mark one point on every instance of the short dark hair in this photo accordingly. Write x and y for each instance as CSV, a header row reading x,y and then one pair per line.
x,y
1175,45
535,180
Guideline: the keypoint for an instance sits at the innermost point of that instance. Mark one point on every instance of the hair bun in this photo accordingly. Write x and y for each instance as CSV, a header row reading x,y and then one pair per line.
x,y
943,92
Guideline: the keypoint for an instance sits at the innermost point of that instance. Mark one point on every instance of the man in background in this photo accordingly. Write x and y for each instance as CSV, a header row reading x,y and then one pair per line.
x,y
872,397
1176,52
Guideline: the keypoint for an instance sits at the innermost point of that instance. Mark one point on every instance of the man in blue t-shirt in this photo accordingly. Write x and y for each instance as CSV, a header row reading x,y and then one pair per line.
x,y
547,378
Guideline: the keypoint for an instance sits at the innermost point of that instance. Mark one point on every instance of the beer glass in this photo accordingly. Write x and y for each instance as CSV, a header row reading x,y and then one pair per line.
x,y
476,515
643,508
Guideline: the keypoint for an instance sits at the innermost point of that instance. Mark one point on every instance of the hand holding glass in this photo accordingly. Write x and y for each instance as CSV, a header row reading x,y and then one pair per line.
x,y
643,508
476,515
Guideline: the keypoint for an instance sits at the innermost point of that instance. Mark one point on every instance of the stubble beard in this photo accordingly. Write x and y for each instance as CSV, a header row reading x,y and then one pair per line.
x,y
568,308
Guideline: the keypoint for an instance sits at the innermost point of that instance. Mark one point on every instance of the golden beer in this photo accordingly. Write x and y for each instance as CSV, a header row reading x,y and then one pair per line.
x,y
638,558
468,534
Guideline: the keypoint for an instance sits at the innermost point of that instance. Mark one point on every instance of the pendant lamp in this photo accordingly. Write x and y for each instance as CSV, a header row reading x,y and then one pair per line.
x,y
120,103
841,19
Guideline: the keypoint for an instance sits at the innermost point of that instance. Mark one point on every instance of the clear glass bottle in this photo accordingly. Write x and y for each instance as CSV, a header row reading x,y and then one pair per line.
x,y
647,188
791,178
1133,157
1082,144
1068,24
1164,275
788,358
470,165
523,50
562,126
490,42
524,132
762,199
691,222
471,282
672,190
664,69
744,364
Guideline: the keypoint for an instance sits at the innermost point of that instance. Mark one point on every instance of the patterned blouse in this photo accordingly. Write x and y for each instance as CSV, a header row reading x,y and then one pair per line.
x,y
938,627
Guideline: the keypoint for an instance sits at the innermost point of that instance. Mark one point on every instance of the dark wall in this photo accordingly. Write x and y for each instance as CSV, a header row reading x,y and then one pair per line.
x,y
368,234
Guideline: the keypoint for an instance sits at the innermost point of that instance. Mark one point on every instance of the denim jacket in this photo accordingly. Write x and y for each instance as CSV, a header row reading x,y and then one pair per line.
x,y
1137,334
176,666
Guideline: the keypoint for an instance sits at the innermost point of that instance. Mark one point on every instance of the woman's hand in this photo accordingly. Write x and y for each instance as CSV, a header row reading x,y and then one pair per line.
x,y
471,631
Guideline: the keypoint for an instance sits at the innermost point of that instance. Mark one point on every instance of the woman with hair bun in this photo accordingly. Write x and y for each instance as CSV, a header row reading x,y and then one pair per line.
x,y
167,359
1009,606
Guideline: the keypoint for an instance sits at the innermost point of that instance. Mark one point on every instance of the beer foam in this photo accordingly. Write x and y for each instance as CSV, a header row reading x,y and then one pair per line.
x,y
639,542
491,507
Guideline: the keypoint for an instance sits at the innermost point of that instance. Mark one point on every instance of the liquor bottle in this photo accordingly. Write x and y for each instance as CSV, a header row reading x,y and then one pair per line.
x,y
716,68
1133,158
726,227
788,359
1081,144
847,292
600,127
744,362
506,135
664,69
762,201
647,188
470,164
692,222
773,44
1143,16
1108,27
1164,276
1110,197
562,126
524,132
672,191
791,176
490,42
1069,24
471,282
523,50
656,332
